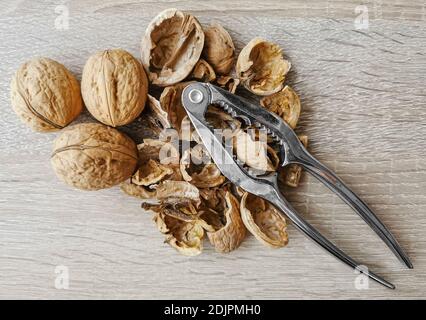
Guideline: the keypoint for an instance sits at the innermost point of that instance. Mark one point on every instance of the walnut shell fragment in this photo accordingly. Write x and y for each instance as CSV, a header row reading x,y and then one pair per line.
x,y
292,173
285,103
255,153
186,237
158,162
229,83
231,234
136,191
170,190
114,87
171,47
150,172
180,220
220,119
156,116
203,72
219,48
261,67
171,103
264,221
163,151
180,223
45,95
92,156
196,167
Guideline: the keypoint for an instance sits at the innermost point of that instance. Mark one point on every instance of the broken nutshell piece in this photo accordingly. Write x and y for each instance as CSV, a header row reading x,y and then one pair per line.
x,y
156,116
220,119
219,48
255,153
114,87
196,168
285,103
264,221
171,103
203,72
261,67
180,223
179,218
292,173
227,82
158,162
171,47
229,230
92,156
137,191
163,151
150,173
170,190
45,95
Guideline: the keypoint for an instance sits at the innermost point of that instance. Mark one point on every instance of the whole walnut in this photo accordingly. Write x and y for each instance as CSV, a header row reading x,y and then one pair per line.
x,y
114,87
45,95
92,156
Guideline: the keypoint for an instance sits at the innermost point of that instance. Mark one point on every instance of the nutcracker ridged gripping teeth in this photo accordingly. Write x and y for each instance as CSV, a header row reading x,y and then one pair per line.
x,y
197,97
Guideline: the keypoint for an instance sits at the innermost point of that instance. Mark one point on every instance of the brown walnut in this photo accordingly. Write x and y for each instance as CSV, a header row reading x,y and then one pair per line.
x,y
45,95
114,87
92,156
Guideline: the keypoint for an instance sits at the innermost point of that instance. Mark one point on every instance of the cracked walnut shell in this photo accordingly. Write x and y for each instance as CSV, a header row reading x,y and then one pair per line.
x,y
285,103
203,72
45,95
158,163
181,225
231,232
228,83
219,49
261,67
171,103
171,47
264,221
196,169
114,87
92,156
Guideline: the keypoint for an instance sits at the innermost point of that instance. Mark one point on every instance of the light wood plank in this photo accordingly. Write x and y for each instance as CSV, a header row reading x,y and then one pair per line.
x,y
363,94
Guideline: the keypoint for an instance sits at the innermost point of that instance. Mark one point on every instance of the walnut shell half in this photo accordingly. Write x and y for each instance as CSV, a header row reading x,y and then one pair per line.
x,y
114,87
45,95
171,47
285,103
263,221
92,156
261,67
219,48
229,236
171,102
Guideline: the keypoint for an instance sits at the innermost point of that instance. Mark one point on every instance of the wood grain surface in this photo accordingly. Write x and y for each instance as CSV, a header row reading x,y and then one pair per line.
x,y
363,98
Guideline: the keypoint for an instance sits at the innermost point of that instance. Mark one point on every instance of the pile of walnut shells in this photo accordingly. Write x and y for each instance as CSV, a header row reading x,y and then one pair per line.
x,y
190,200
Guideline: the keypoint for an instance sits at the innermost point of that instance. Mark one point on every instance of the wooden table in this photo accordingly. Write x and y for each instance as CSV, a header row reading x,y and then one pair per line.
x,y
363,97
